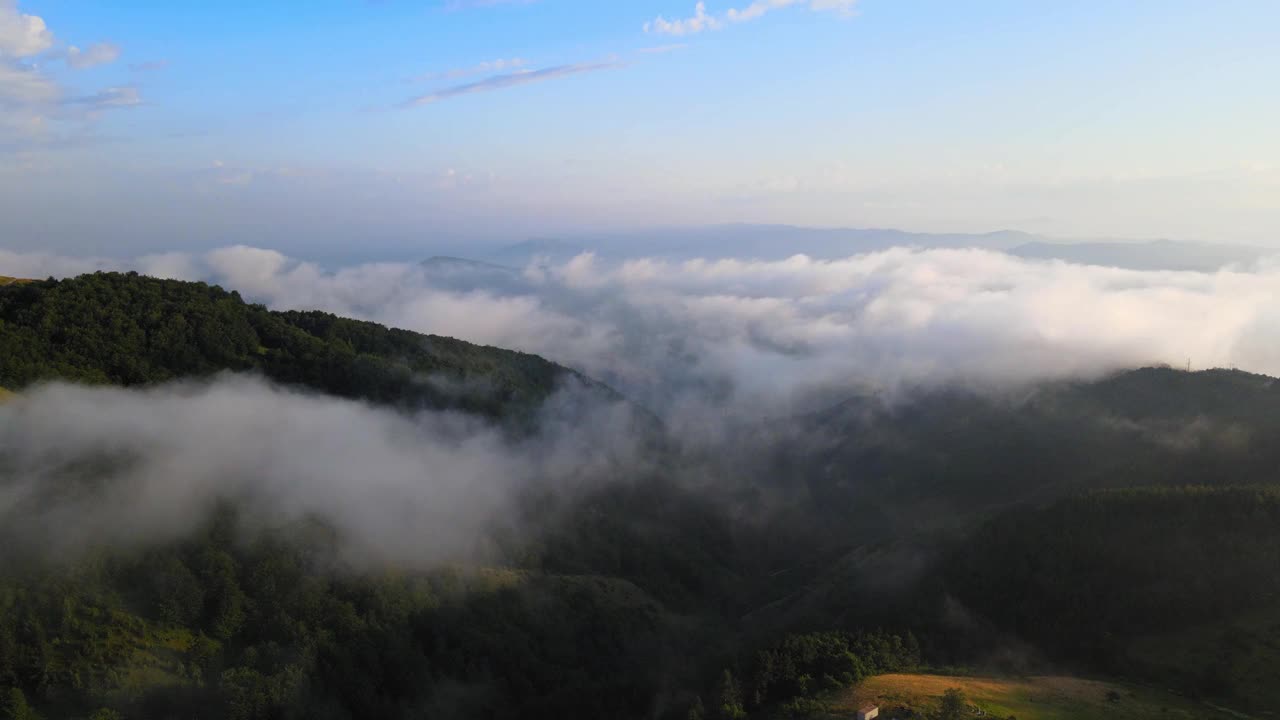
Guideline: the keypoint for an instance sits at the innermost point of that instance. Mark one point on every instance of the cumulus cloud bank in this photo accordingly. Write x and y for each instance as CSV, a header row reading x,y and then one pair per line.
x,y
764,337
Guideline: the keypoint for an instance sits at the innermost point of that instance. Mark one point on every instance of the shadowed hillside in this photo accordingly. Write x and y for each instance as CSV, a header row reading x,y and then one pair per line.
x,y
1108,577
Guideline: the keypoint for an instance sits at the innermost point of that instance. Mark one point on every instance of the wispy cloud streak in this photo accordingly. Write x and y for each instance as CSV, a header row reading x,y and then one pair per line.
x,y
509,80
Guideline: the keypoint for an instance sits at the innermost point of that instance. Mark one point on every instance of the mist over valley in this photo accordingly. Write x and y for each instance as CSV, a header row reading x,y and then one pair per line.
x,y
652,360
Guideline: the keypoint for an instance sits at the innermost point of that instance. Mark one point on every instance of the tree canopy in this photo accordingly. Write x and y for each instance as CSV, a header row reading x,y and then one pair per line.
x,y
127,329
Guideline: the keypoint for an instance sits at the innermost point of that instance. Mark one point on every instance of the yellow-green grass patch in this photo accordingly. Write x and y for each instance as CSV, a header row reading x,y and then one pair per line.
x,y
1029,698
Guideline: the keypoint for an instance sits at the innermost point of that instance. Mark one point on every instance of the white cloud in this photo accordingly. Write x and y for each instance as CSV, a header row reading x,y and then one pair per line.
x,y
96,54
35,110
757,336
702,20
757,9
42,265
22,35
687,26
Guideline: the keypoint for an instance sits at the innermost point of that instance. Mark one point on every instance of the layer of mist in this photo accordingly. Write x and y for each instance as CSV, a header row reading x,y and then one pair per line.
x,y
713,347
86,467
766,338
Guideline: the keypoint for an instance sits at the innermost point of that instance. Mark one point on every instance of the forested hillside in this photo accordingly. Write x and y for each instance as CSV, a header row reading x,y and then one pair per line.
x,y
940,527
130,330
1091,577
214,628
940,459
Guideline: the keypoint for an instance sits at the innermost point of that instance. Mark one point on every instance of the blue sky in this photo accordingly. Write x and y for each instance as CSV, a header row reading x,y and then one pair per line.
x,y
131,125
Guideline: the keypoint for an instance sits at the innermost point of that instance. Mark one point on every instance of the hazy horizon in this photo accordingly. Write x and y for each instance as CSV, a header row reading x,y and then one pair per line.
x,y
342,127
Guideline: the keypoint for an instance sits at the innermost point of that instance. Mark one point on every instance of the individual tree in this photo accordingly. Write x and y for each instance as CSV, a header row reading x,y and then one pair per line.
x,y
730,697
954,705
13,706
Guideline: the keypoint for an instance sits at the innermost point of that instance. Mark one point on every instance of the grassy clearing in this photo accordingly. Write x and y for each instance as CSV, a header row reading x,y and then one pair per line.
x,y
6,280
1032,698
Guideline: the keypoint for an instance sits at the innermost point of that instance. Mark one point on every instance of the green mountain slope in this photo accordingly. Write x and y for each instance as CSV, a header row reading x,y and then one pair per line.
x,y
127,329
942,460
1175,584
880,495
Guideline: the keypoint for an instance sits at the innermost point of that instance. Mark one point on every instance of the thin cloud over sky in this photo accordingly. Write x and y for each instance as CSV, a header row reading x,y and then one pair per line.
x,y
149,66
96,54
509,80
453,5
703,20
111,97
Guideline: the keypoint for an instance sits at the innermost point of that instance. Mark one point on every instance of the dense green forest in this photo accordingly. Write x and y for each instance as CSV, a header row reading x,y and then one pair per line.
x,y
1092,577
130,330
215,628
1124,526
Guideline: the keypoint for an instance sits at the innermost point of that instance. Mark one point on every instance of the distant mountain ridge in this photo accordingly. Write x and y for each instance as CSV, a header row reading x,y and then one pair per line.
x,y
448,263
1148,255
746,241
776,242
